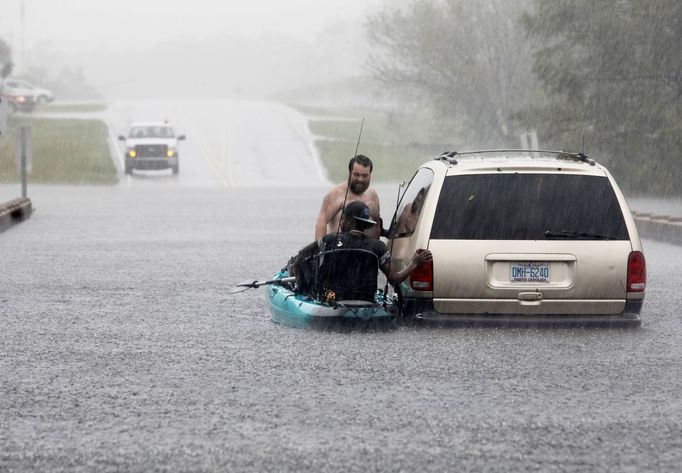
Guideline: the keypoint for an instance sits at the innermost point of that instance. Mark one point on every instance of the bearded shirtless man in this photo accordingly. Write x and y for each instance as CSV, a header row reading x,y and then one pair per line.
x,y
359,176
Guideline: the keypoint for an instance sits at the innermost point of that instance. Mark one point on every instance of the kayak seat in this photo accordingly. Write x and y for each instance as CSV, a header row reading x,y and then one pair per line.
x,y
351,273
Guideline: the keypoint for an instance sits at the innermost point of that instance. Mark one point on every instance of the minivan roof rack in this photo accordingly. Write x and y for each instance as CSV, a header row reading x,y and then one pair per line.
x,y
449,156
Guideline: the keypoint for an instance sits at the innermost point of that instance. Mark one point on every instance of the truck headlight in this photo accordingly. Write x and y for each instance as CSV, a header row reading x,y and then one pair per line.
x,y
170,153
132,153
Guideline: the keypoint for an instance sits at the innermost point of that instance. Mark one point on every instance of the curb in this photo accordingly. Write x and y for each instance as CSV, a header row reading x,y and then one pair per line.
x,y
14,211
659,227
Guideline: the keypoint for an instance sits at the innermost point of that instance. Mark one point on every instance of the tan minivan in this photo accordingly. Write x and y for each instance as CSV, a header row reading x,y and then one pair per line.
x,y
519,236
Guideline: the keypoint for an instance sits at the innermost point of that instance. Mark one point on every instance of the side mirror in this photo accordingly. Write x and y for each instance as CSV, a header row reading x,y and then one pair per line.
x,y
121,137
181,137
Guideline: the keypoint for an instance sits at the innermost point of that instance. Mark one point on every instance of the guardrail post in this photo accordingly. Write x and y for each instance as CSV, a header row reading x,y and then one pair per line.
x,y
24,156
529,140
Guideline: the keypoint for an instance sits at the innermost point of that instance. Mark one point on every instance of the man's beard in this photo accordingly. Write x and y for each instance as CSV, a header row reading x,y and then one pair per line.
x,y
358,188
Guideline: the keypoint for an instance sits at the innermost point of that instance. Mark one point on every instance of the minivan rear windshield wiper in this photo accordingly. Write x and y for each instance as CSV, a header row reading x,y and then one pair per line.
x,y
550,234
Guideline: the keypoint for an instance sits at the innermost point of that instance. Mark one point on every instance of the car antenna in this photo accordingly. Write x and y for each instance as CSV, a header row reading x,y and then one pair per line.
x,y
345,197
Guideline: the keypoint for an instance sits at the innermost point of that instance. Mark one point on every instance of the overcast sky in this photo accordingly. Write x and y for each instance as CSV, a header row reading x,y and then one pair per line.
x,y
81,24
124,46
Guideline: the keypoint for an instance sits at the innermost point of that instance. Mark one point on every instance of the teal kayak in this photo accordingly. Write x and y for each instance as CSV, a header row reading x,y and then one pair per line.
x,y
301,311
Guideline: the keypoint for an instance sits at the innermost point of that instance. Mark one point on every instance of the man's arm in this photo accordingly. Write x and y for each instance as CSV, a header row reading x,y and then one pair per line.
x,y
326,214
375,209
396,277
375,204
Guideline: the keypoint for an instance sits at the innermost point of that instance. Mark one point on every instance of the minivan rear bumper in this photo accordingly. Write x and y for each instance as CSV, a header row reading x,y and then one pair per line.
x,y
421,311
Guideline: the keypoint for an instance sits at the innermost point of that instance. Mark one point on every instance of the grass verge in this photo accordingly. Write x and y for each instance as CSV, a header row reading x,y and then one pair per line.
x,y
397,143
392,163
74,107
65,151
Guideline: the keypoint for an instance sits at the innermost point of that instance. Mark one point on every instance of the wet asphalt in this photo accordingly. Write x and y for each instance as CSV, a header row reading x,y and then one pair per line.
x,y
121,350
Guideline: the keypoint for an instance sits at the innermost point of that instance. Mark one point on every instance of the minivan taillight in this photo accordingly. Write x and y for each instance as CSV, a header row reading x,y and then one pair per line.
x,y
636,272
421,279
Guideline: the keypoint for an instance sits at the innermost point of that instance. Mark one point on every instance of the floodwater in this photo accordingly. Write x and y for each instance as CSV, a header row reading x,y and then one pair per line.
x,y
121,350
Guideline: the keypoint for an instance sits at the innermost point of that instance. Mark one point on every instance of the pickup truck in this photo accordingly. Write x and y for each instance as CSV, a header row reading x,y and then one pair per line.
x,y
151,145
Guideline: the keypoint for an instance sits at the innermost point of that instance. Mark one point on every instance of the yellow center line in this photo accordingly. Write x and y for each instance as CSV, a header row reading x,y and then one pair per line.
x,y
208,156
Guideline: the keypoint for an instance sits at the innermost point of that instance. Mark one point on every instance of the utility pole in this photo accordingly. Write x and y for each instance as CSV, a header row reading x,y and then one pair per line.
x,y
24,156
22,13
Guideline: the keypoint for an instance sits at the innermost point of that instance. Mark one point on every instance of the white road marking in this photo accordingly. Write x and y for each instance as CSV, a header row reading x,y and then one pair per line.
x,y
118,154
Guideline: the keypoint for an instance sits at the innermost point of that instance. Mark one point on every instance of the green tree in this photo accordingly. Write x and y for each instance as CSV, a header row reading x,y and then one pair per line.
x,y
469,60
612,72
5,59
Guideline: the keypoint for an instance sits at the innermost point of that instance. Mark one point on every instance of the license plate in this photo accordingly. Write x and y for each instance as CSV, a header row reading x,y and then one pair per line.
x,y
530,272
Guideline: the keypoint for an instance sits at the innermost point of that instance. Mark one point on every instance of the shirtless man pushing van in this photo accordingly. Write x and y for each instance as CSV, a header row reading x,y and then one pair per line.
x,y
359,176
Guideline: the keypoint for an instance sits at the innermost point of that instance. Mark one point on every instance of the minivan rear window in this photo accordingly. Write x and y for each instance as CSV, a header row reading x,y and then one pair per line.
x,y
528,207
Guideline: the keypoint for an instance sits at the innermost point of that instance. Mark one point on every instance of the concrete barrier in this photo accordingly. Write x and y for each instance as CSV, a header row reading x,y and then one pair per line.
x,y
659,227
14,211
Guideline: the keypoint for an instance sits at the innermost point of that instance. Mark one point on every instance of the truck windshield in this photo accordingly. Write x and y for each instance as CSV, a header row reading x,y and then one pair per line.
x,y
151,132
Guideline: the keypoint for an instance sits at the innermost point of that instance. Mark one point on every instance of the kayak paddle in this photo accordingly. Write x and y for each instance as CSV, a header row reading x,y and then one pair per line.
x,y
241,287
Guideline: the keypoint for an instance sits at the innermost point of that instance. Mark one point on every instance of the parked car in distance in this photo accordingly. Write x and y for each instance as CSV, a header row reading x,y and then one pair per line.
x,y
151,145
519,236
23,96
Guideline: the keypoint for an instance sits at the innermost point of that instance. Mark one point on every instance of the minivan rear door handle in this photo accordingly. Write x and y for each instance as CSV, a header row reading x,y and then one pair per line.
x,y
530,296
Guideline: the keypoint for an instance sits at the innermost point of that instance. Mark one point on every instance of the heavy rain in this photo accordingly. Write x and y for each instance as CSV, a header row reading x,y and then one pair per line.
x,y
124,344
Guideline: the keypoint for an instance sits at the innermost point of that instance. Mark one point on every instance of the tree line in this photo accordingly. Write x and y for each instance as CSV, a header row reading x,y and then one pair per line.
x,y
600,76
6,64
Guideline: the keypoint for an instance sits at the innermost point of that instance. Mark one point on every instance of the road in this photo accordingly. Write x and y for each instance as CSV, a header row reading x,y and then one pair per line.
x,y
121,350
229,143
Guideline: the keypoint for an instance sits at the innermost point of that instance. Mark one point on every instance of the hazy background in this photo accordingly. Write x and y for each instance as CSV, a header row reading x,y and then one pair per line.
x,y
143,48
599,77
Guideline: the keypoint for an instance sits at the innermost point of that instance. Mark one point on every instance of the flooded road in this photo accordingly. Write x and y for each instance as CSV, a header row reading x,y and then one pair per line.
x,y
121,350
